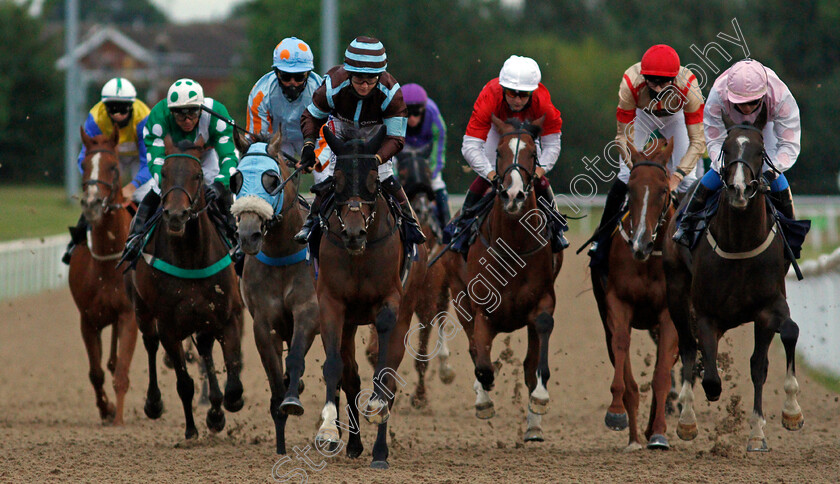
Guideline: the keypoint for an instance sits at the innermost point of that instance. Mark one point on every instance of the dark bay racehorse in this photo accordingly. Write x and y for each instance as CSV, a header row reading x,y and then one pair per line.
x,y
509,275
632,295
735,274
185,284
277,283
95,283
433,300
361,257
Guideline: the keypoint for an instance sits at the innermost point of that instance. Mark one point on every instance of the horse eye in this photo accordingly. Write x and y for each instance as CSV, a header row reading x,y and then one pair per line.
x,y
271,182
236,182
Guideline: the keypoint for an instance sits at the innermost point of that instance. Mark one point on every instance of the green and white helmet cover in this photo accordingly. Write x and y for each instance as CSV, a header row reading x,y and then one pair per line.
x,y
184,93
118,89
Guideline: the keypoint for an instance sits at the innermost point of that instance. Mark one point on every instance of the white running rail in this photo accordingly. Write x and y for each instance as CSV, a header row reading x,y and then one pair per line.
x,y
29,266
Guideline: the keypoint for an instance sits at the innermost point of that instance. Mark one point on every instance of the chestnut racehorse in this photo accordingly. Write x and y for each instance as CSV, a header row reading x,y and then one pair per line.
x,y
185,284
513,258
95,283
361,257
734,275
632,295
277,282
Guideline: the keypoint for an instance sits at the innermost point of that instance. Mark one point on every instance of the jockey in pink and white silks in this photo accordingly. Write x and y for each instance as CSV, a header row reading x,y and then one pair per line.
x,y
742,92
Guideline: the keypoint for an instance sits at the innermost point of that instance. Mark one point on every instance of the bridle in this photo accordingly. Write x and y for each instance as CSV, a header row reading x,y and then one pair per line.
x,y
114,186
356,205
194,198
754,185
515,165
662,215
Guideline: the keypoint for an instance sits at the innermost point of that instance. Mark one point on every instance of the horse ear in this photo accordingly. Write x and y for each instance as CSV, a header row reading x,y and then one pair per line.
x,y
727,120
665,153
241,142
199,142
115,135
85,138
634,153
332,140
168,145
372,145
539,123
274,145
761,119
498,123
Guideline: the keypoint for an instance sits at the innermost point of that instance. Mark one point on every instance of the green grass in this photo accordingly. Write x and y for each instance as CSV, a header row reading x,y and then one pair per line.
x,y
35,211
827,380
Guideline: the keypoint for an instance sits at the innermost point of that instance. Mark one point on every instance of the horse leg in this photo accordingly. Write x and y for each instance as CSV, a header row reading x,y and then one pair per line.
x,y
215,416
232,351
305,327
631,403
709,334
186,386
372,351
153,407
792,418
352,384
270,348
765,329
618,320
445,371
482,342
538,401
93,344
112,358
666,350
332,326
418,398
127,335
377,411
533,433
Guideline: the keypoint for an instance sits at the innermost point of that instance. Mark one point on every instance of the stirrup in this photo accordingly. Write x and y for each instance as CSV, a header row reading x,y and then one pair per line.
x,y
302,236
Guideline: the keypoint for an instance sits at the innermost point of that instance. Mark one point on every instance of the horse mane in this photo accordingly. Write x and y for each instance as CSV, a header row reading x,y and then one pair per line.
x,y
526,125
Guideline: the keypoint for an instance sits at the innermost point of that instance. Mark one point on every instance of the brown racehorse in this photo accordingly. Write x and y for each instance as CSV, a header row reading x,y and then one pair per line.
x,y
185,284
433,300
361,256
735,274
510,260
277,283
95,283
634,295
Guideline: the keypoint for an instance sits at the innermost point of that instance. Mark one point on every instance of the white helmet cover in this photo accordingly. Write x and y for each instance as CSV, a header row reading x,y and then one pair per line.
x,y
185,93
520,74
118,89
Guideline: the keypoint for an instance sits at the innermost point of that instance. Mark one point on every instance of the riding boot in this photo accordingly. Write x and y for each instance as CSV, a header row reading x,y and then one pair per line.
x,y
695,205
78,234
312,219
413,231
615,199
442,207
134,243
783,201
554,221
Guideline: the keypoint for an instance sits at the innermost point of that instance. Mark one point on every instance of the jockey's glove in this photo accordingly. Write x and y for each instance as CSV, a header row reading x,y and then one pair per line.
x,y
215,191
307,157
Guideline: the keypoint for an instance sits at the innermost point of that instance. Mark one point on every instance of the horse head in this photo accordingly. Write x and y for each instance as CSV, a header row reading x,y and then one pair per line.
x,y
416,179
743,157
516,161
182,184
101,175
649,195
261,196
356,186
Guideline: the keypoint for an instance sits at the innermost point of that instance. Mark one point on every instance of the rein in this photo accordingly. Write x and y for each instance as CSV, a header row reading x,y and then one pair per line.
x,y
516,166
662,215
356,205
194,198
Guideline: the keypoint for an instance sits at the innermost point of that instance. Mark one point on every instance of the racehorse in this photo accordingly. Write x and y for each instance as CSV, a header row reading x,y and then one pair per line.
x,y
433,300
95,283
632,294
185,284
734,275
277,283
510,244
361,257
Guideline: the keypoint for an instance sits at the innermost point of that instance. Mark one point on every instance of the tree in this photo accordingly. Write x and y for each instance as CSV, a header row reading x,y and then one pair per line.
x,y
31,106
107,11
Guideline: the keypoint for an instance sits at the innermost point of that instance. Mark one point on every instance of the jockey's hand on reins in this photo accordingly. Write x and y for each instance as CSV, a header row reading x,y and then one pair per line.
x,y
307,158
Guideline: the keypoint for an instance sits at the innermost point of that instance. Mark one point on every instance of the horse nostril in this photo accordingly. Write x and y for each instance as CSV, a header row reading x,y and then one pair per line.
x,y
254,238
520,196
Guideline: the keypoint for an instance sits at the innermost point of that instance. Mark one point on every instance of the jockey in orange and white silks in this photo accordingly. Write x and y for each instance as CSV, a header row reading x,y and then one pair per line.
x,y
742,92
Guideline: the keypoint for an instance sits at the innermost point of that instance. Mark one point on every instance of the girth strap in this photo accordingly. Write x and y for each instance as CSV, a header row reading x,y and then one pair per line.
x,y
741,255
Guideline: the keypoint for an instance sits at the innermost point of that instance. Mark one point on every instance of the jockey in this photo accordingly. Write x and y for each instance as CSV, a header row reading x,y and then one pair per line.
x,y
656,94
359,95
516,93
180,117
426,127
278,99
742,92
118,106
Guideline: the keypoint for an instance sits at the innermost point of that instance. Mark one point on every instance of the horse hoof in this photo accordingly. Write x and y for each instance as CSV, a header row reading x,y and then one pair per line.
x,y
380,464
235,405
327,439
793,422
378,418
215,420
108,414
447,375
712,389
191,434
757,445
632,447
538,406
354,451
658,441
153,410
418,401
292,406
534,435
485,410
687,431
616,421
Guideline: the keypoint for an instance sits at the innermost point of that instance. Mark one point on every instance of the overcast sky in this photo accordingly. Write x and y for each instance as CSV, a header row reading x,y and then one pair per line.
x,y
196,10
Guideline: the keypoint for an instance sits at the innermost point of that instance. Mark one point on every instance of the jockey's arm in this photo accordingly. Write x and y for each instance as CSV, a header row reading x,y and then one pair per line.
x,y
438,145
550,150
473,150
713,127
315,115
222,140
788,131
693,113
257,116
143,175
625,115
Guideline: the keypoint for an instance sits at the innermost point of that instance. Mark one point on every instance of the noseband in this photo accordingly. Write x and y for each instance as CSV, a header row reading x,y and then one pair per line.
x,y
664,213
114,186
516,166
195,197
754,185
356,205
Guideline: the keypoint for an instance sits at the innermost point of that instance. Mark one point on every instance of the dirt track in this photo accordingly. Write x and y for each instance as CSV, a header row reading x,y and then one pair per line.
x,y
50,429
